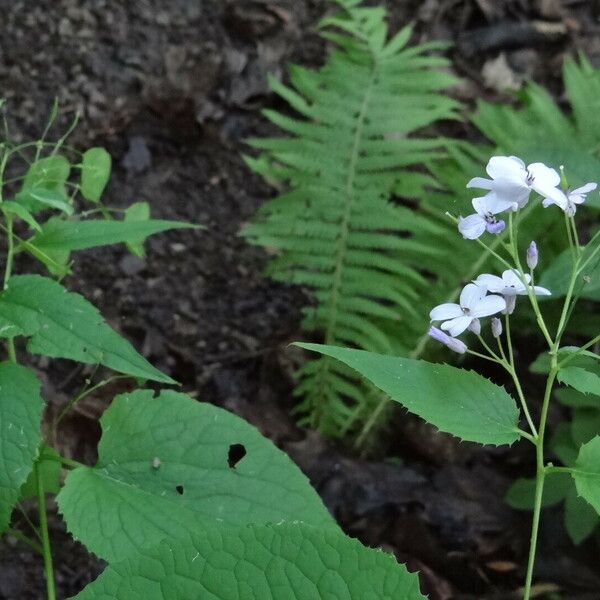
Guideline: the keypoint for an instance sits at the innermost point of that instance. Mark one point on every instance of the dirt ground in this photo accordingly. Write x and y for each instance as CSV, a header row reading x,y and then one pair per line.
x,y
172,90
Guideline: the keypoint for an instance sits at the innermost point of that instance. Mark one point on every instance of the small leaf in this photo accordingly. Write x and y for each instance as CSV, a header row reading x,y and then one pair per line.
x,y
521,494
138,211
37,198
580,518
49,173
95,173
575,399
587,472
50,471
60,235
164,469
62,324
581,379
563,446
585,425
15,209
456,401
255,563
20,417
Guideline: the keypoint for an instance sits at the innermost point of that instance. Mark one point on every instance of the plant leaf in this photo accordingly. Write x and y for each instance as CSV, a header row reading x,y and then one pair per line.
x,y
38,198
167,465
587,472
581,379
95,173
44,184
136,212
580,518
20,416
283,561
50,471
60,235
456,401
14,208
521,494
62,324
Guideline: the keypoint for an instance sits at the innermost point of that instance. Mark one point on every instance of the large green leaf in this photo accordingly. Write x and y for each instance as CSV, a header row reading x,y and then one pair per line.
x,y
95,173
456,401
60,235
581,379
20,415
587,472
170,464
284,562
63,324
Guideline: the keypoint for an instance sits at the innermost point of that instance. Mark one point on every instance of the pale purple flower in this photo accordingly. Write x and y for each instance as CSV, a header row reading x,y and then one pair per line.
x,y
473,304
532,256
452,343
475,326
484,218
512,182
496,327
569,201
510,284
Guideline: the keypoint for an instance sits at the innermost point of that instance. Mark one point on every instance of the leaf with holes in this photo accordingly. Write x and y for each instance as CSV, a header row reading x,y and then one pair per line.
x,y
257,562
169,464
65,325
95,173
456,401
586,473
20,416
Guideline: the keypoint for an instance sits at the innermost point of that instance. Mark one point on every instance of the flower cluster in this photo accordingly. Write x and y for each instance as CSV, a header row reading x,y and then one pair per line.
x,y
509,188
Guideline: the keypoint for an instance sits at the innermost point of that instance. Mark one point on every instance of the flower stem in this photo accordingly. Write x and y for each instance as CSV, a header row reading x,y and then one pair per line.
x,y
47,552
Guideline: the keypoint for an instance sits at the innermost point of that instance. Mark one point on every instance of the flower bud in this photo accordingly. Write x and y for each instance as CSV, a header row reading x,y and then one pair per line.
x,y
453,343
496,227
511,301
532,256
496,327
475,326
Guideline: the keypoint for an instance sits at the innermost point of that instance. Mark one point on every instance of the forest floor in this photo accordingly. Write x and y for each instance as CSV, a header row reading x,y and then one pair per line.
x,y
172,90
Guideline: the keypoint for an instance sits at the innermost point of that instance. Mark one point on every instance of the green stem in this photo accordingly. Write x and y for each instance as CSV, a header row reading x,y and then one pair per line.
x,y
46,550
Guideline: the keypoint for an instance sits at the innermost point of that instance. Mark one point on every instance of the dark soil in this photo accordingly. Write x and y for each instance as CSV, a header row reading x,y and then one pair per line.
x,y
172,90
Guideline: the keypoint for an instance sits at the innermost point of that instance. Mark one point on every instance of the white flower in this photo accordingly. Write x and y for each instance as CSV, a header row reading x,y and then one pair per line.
x,y
569,201
484,218
510,284
473,304
512,182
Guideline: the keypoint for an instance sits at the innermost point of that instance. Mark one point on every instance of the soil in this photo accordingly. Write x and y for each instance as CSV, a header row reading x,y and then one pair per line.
x,y
172,90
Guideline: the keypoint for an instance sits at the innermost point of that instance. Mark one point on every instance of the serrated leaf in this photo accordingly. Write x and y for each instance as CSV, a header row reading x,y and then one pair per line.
x,y
20,415
575,399
60,235
456,401
95,173
585,425
138,211
521,494
62,324
580,518
256,563
587,472
167,465
581,379
50,471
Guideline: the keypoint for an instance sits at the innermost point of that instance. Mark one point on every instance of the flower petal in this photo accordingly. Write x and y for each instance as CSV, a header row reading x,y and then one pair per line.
x,y
493,283
489,305
472,226
511,277
491,203
585,189
541,291
543,175
480,182
471,295
448,310
456,326
506,167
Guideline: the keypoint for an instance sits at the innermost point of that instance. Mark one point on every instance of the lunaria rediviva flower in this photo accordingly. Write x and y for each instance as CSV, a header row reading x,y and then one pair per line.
x,y
512,182
452,343
510,284
484,219
569,201
473,304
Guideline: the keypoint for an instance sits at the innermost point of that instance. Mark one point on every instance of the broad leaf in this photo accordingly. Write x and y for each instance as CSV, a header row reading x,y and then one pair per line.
x,y
257,563
138,211
50,471
575,399
521,494
456,401
60,235
95,173
62,324
170,464
20,416
587,472
580,518
585,425
44,184
581,379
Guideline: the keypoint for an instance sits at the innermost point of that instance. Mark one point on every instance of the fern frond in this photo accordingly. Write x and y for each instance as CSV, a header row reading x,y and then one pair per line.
x,y
351,140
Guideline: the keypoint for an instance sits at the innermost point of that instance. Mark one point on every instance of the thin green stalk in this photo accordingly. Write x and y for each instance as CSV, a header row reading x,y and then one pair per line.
x,y
25,539
46,550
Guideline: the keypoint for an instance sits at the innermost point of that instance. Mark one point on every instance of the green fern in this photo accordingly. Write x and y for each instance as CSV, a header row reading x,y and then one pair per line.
x,y
366,259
